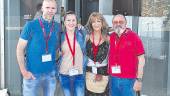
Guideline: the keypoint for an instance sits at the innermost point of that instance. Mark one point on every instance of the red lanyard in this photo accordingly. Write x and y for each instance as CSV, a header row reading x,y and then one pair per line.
x,y
69,45
45,35
95,47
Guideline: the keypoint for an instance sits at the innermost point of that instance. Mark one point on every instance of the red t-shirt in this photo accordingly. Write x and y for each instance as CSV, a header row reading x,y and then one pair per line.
x,y
124,52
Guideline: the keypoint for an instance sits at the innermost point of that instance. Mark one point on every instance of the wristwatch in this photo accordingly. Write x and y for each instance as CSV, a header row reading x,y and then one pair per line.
x,y
139,79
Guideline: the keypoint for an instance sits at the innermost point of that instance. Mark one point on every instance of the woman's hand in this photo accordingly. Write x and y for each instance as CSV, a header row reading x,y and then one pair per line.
x,y
98,77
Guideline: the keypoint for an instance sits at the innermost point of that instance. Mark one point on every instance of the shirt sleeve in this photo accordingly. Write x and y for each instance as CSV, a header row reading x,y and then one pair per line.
x,y
139,46
26,32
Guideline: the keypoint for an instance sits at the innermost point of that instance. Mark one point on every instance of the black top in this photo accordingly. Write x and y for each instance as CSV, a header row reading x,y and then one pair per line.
x,y
100,57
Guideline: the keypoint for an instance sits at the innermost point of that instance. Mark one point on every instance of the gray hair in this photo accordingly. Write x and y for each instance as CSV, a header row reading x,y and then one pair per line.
x,y
120,15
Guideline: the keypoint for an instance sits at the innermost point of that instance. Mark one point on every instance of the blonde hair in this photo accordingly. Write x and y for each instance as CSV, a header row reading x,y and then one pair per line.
x,y
93,16
49,1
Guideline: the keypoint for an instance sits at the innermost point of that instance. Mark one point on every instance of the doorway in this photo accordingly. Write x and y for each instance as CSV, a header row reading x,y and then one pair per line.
x,y
87,7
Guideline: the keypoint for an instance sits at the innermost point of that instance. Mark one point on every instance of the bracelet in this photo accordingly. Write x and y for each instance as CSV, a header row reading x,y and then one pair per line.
x,y
139,79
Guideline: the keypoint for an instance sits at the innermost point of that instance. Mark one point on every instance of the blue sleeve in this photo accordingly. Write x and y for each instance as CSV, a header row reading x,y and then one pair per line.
x,y
26,32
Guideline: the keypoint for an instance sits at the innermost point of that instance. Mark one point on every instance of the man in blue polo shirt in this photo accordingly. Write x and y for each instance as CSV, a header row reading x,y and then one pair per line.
x,y
39,41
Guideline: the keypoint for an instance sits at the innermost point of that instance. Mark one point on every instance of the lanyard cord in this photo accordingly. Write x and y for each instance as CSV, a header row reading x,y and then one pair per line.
x,y
46,37
72,50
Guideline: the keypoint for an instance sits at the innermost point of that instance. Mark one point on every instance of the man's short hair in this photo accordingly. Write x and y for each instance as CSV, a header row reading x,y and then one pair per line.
x,y
121,16
49,0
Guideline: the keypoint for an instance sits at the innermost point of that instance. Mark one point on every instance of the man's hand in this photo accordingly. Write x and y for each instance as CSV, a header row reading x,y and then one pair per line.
x,y
28,75
80,27
137,85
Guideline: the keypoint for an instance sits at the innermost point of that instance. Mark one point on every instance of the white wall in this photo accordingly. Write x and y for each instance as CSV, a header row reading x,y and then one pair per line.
x,y
2,80
105,7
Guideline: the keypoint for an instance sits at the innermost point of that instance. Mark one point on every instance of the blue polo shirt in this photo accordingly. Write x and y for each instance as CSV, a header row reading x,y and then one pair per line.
x,y
36,46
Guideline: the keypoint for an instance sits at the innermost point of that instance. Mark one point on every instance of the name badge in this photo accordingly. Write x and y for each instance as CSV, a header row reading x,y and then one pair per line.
x,y
73,72
94,70
46,58
116,69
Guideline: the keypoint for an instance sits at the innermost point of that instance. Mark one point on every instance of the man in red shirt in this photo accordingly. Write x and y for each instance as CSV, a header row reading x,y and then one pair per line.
x,y
126,59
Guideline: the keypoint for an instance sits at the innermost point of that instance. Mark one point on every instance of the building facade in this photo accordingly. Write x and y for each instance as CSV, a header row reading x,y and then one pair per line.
x,y
149,18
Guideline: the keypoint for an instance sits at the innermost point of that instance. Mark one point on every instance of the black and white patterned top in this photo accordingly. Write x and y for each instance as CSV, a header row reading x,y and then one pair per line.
x,y
100,57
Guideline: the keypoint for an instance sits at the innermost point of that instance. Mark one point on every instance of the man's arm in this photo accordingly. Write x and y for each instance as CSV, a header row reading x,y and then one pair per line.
x,y
20,52
138,82
141,65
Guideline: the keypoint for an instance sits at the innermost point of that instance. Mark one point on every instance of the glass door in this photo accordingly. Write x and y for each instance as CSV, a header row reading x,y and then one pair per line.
x,y
154,31
12,30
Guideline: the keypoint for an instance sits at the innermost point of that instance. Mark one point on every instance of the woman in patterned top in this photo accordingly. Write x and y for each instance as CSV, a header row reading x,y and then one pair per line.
x,y
97,46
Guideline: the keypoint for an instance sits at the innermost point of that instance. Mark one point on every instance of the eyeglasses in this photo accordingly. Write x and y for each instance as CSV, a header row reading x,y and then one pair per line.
x,y
120,22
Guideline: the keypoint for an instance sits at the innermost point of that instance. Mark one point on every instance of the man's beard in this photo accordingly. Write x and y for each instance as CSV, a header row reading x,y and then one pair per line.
x,y
118,29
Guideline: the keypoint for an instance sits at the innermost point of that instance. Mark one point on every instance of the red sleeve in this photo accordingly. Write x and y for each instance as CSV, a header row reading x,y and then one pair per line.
x,y
139,45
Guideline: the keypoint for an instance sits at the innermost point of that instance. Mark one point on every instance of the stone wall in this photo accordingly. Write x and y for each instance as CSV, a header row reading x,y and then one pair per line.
x,y
155,8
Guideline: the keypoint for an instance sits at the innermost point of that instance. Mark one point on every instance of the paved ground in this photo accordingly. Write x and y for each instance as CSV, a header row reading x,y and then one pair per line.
x,y
155,78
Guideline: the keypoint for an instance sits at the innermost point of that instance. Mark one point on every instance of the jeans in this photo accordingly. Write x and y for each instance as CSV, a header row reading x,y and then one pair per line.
x,y
45,81
72,85
121,86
